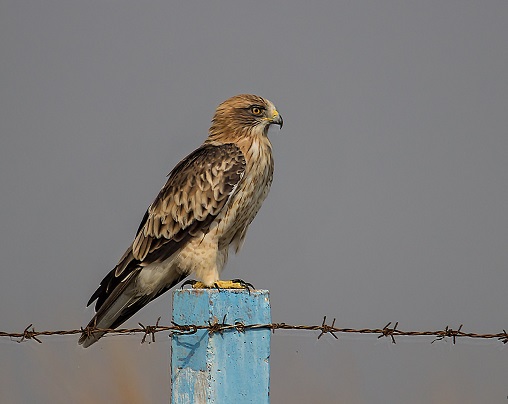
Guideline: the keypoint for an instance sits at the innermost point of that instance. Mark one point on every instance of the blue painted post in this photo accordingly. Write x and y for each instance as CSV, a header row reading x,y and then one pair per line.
x,y
227,367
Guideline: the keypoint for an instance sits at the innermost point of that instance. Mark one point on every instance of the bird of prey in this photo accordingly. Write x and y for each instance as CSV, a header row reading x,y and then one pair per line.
x,y
206,205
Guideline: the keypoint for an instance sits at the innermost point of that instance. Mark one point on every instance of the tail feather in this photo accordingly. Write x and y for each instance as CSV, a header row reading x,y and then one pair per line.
x,y
121,304
107,315
107,319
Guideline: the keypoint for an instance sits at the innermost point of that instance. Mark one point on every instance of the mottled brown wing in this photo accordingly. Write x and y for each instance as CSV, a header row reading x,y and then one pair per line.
x,y
197,189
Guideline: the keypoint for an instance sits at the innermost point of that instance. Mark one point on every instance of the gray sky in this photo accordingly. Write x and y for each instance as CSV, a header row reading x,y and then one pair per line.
x,y
389,201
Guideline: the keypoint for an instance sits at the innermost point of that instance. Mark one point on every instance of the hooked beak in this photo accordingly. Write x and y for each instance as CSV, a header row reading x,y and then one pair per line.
x,y
277,119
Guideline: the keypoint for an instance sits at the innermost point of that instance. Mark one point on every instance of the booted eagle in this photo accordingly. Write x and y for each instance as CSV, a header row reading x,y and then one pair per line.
x,y
207,204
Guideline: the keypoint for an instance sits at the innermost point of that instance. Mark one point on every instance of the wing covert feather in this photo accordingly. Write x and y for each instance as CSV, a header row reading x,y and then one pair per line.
x,y
197,190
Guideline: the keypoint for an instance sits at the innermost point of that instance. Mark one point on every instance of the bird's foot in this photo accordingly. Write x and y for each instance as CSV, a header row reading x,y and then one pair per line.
x,y
232,284
243,284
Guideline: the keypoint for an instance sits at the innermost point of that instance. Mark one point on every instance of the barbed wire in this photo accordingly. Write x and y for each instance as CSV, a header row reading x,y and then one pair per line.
x,y
149,331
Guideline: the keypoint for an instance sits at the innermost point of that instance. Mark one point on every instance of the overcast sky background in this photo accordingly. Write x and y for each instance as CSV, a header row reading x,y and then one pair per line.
x,y
389,202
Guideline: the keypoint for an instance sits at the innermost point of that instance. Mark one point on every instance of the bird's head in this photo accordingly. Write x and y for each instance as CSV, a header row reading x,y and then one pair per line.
x,y
244,115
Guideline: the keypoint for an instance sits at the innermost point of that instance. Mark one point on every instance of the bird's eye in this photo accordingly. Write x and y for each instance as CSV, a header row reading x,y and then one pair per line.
x,y
256,110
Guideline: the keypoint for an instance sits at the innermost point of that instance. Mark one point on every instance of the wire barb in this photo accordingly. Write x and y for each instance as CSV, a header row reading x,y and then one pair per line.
x,y
218,327
150,330
449,332
27,334
327,329
503,338
388,332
